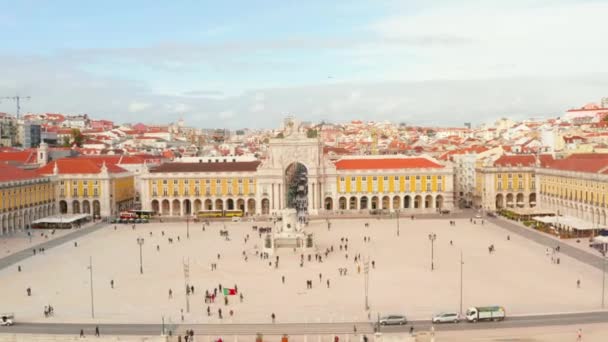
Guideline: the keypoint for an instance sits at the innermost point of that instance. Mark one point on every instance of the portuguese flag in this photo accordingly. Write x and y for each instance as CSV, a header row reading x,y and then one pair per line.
x,y
229,292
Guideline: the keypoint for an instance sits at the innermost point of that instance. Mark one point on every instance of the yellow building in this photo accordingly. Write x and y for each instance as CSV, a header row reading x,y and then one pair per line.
x,y
178,189
508,182
90,186
576,186
24,197
407,184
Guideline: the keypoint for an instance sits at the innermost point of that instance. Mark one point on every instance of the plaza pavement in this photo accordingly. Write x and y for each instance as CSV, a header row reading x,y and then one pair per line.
x,y
518,275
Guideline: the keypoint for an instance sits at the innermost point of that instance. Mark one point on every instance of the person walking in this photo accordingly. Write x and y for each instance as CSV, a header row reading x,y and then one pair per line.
x,y
578,283
170,293
273,317
112,283
81,333
97,331
579,335
327,283
283,279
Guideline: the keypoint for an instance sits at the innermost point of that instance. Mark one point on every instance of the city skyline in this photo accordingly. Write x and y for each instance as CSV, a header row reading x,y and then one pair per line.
x,y
358,60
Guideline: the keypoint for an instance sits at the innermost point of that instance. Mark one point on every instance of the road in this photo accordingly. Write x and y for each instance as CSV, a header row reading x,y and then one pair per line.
x,y
27,253
541,238
302,328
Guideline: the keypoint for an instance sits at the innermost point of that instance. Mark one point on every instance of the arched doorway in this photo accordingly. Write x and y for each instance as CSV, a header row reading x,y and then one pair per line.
x,y
176,208
265,206
63,207
428,201
296,187
510,203
208,204
329,203
219,204
187,207
198,205
75,207
251,206
97,208
166,207
363,205
532,200
342,203
374,202
240,205
155,206
86,207
352,203
520,200
406,202
500,201
439,202
230,204
417,202
396,202
386,202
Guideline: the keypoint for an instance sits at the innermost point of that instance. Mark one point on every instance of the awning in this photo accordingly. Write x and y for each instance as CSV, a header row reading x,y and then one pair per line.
x,y
65,218
569,222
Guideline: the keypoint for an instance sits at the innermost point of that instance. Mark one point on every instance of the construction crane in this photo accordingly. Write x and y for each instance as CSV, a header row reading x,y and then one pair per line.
x,y
17,99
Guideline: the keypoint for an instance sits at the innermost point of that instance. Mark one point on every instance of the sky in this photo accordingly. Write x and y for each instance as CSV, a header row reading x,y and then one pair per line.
x,y
250,63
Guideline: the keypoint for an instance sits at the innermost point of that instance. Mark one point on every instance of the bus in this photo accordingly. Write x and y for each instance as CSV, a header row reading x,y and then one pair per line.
x,y
143,214
128,215
210,213
219,213
233,213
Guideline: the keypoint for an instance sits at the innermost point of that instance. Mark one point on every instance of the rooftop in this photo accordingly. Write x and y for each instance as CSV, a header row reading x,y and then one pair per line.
x,y
250,166
386,163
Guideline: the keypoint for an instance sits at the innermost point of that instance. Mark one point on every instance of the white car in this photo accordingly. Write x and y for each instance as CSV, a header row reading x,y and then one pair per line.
x,y
446,317
6,319
393,319
478,215
236,219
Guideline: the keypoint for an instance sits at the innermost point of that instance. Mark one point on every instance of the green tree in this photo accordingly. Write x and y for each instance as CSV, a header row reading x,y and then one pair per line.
x,y
66,141
312,133
77,137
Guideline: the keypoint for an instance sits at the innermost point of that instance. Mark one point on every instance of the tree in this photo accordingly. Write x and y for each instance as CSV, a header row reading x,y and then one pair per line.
x,y
77,137
66,141
312,133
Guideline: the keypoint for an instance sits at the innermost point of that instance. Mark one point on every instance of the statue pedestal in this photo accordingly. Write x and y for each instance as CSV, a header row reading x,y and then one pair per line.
x,y
288,234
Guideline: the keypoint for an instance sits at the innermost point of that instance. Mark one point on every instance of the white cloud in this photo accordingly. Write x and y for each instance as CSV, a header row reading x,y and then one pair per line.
x,y
136,107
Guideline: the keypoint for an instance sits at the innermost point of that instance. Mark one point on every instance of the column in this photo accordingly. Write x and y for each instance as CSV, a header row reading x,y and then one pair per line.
x,y
272,197
280,204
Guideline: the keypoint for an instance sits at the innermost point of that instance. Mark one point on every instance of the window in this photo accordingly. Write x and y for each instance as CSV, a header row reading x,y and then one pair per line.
x,y
396,178
74,192
61,183
428,186
165,192
85,192
164,181
364,179
428,178
186,181
341,179
85,183
439,185
153,183
197,182
353,179
61,192
385,178
499,185
175,182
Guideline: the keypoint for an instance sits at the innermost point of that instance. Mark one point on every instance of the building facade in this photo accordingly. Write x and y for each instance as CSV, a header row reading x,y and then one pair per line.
x,y
90,186
24,197
576,186
357,184
508,182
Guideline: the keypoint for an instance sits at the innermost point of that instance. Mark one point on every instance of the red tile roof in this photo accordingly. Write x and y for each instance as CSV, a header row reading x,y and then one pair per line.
x,y
388,163
24,157
12,173
583,162
79,166
251,166
523,160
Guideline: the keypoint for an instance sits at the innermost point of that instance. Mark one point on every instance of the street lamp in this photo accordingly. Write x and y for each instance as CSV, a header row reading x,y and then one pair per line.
x,y
187,227
432,238
397,217
140,242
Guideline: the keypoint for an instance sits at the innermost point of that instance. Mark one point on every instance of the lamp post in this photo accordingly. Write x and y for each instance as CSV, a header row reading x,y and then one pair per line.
x,y
187,227
140,242
397,217
91,279
366,273
432,238
461,263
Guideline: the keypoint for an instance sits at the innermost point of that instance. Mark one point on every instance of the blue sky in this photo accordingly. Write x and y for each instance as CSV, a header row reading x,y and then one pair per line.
x,y
423,62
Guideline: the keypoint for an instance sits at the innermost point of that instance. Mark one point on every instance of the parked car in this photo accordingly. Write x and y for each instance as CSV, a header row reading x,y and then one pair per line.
x,y
393,319
445,211
446,317
6,319
478,215
236,219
